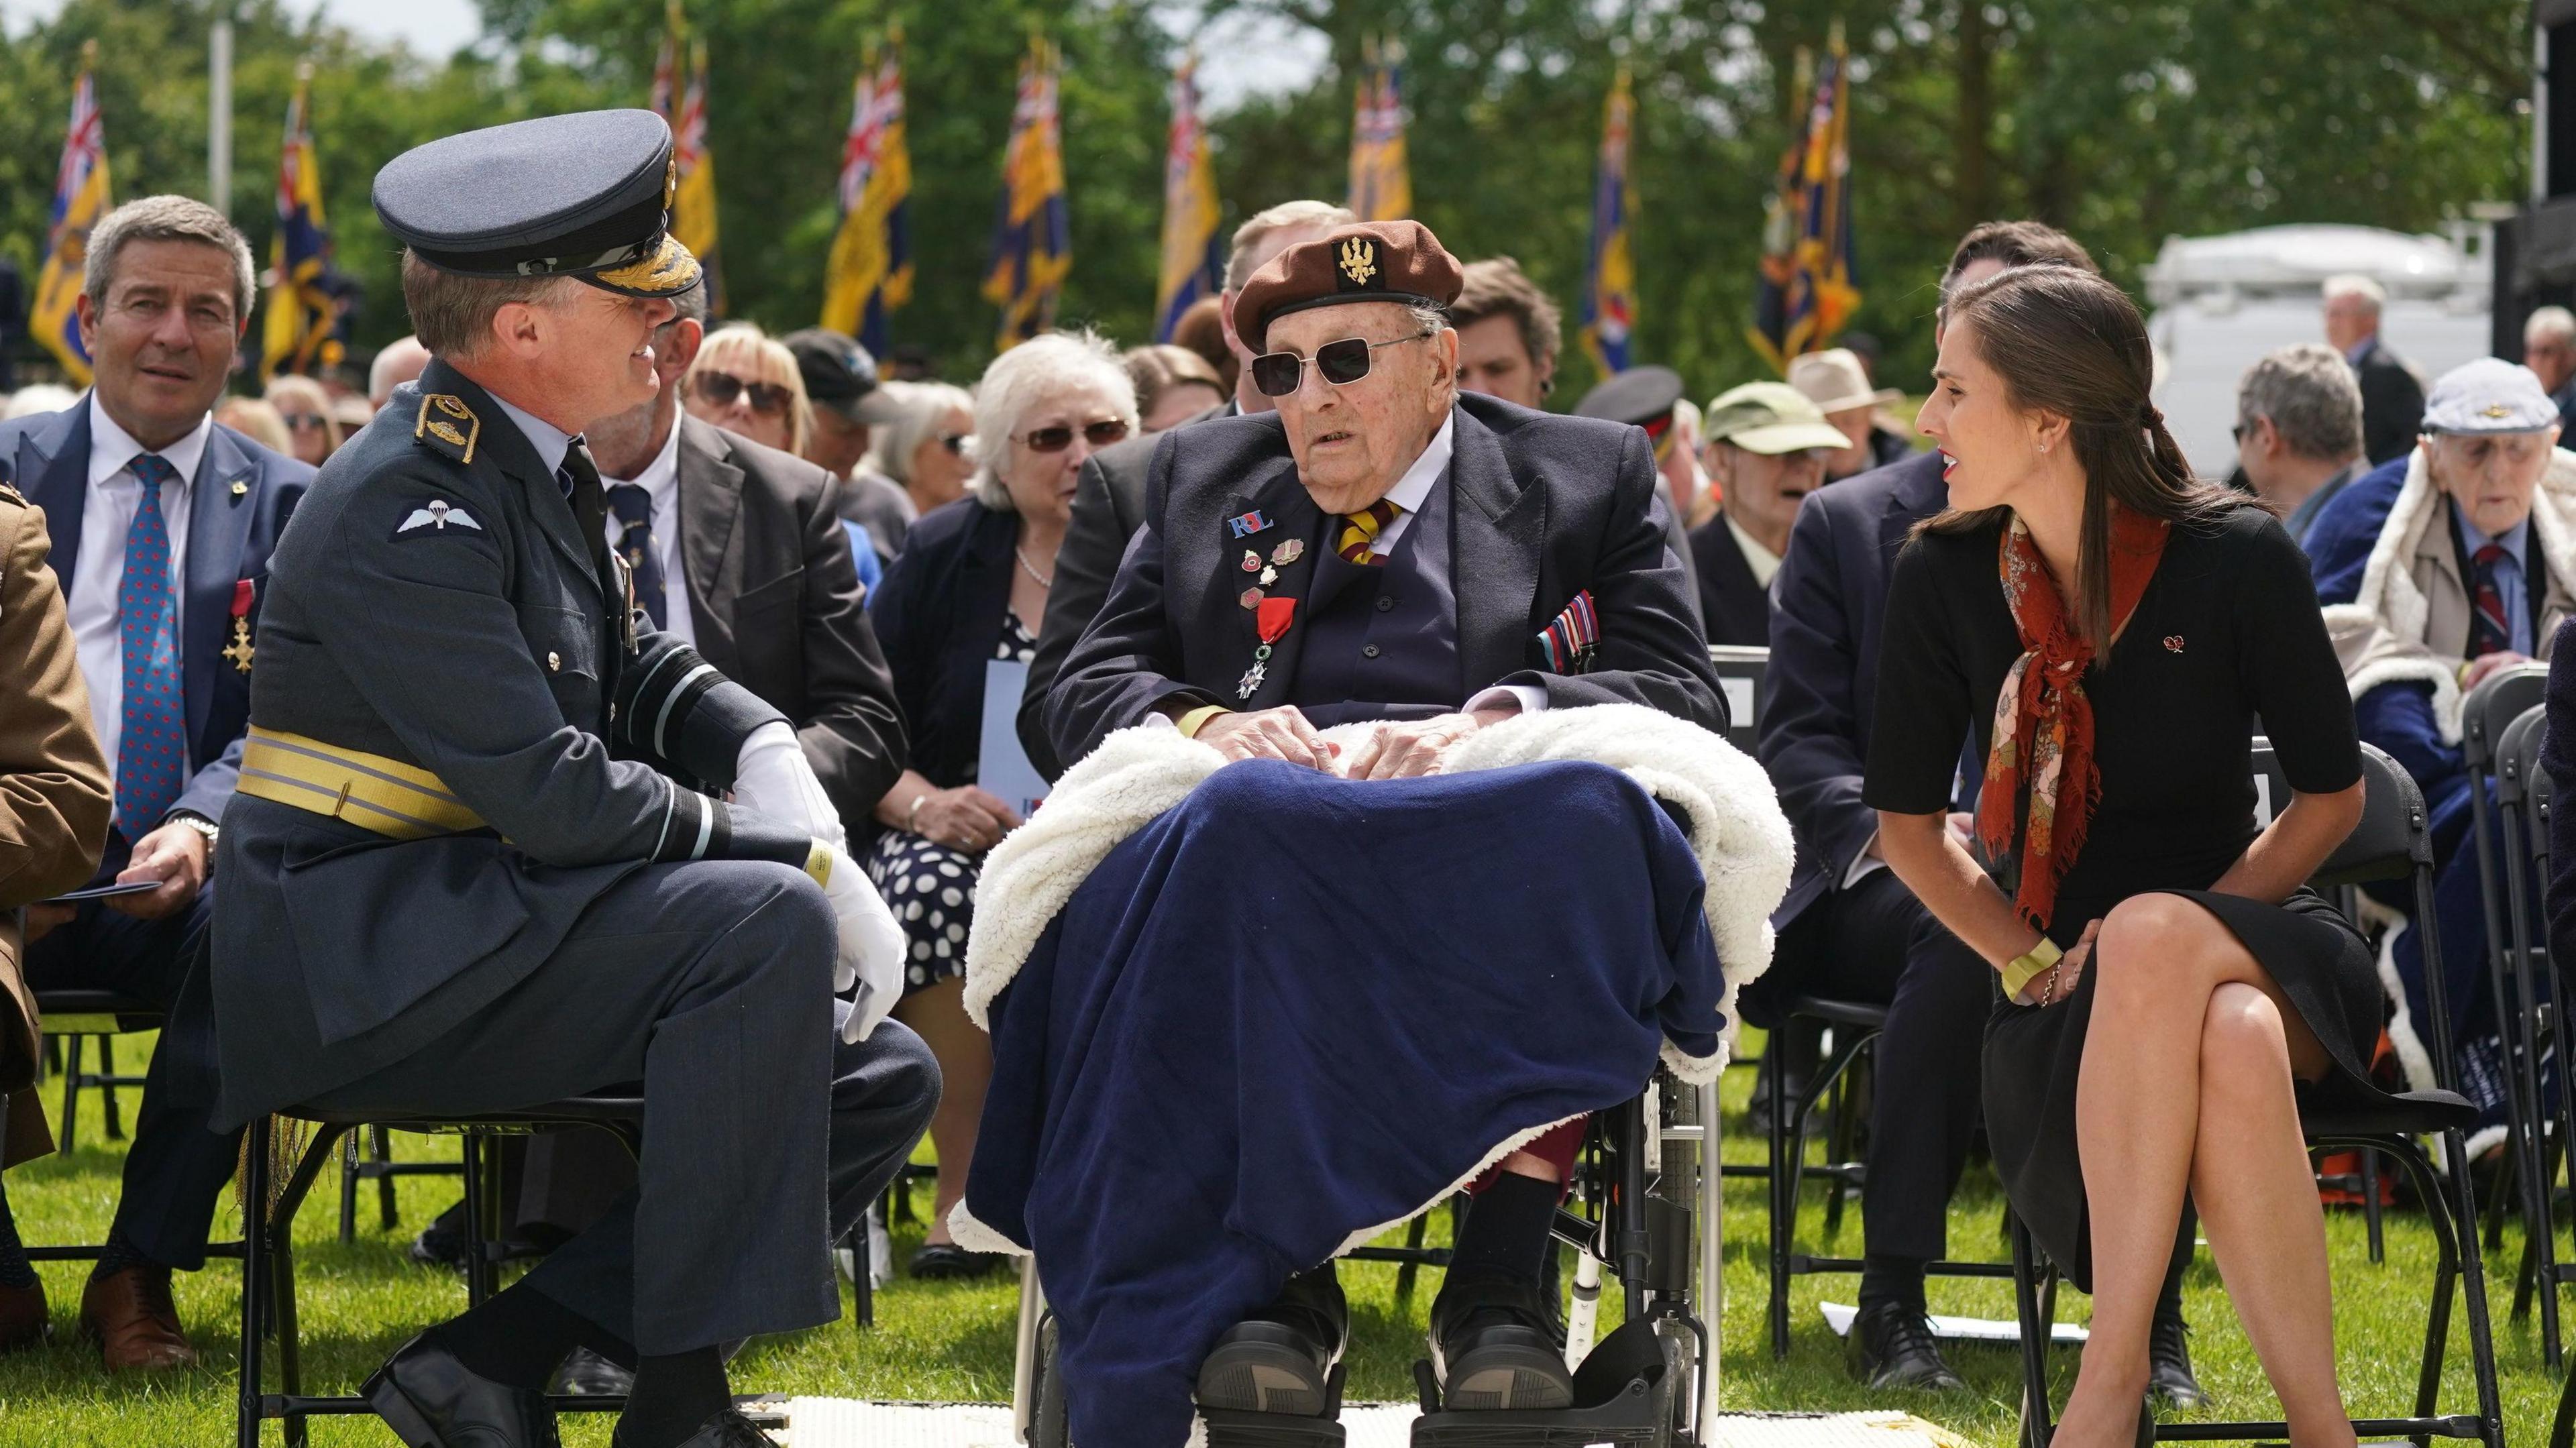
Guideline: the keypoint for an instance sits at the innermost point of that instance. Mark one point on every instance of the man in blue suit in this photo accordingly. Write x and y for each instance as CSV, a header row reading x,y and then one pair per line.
x,y
1849,929
161,523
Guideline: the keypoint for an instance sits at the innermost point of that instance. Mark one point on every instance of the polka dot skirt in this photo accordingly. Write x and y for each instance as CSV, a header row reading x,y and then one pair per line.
x,y
930,887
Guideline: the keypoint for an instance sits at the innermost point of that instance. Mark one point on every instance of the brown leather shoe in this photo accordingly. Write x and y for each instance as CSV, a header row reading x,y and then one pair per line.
x,y
130,1316
23,1318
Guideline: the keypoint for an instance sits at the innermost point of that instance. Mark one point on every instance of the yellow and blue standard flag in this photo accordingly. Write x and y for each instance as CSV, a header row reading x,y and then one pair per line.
x,y
1610,281
1381,178
1806,294
303,309
683,105
1193,267
870,272
80,199
1032,236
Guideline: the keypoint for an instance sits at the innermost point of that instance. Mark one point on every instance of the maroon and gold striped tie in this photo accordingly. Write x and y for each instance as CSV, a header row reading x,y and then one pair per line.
x,y
1360,530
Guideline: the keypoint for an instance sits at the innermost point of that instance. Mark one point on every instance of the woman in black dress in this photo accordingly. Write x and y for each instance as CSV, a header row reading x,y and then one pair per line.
x,y
2112,630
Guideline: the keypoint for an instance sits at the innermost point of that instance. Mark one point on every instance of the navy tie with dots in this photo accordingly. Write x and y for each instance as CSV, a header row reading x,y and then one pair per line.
x,y
2490,631
152,750
634,510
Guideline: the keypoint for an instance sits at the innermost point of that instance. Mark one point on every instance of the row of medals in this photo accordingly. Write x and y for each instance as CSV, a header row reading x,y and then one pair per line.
x,y
1280,557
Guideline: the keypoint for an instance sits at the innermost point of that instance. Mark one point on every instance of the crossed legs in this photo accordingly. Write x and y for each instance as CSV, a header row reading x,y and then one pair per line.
x,y
2186,1084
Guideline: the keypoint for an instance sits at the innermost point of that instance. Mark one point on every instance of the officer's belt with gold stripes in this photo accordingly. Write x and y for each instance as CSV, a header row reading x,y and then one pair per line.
x,y
385,795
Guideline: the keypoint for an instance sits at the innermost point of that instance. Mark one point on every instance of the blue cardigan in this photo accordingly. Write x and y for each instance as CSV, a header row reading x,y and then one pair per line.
x,y
938,615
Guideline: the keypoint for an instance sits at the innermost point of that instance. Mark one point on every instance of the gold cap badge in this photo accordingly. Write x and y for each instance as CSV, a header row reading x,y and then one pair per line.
x,y
1359,260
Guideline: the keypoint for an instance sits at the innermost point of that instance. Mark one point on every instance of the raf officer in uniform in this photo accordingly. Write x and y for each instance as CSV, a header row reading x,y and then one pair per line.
x,y
1385,549
470,864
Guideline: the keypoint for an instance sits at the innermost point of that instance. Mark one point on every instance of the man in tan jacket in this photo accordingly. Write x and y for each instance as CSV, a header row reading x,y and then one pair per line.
x,y
54,807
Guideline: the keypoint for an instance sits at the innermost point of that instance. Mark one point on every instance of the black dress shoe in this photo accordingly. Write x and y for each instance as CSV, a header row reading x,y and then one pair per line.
x,y
430,1401
1891,1346
1495,1344
443,1243
727,1429
2169,1375
948,1262
1280,1359
585,1374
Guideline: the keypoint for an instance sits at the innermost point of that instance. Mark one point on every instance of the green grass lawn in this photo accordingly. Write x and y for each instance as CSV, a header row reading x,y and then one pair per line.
x,y
953,1342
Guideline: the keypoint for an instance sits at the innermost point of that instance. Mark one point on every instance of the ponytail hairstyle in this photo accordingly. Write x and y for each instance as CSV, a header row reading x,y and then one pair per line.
x,y
2068,342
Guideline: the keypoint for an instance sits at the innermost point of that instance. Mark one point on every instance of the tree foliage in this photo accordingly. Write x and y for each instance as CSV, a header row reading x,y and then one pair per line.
x,y
2126,121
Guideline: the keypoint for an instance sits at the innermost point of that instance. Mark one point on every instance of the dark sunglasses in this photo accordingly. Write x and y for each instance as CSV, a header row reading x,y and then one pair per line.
x,y
719,389
303,421
1057,439
1341,363
955,442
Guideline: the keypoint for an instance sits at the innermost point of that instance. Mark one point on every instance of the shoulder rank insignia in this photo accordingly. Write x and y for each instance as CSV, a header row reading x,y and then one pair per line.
x,y
439,516
447,425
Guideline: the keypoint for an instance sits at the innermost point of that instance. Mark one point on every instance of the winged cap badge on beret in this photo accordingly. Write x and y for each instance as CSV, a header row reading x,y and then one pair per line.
x,y
1359,260
2496,409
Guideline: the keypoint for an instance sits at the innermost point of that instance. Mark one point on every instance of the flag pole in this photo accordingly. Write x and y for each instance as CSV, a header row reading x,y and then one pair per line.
x,y
219,112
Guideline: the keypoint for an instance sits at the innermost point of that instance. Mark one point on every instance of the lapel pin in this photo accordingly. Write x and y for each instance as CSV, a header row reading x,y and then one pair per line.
x,y
1251,561
2173,643
1247,525
1288,552
1250,598
241,489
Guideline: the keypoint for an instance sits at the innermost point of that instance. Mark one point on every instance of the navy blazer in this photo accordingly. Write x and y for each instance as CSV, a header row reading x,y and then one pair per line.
x,y
1829,604
238,504
1546,507
938,615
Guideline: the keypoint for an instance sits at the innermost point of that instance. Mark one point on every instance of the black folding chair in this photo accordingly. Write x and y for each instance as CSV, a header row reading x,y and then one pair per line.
x,y
2392,842
72,1020
2485,714
2521,786
1742,671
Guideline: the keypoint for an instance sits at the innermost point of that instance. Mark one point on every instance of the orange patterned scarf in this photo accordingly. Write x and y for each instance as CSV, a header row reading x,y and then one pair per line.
x,y
2043,723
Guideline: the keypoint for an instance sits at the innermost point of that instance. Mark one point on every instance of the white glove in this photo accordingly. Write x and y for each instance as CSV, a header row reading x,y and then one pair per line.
x,y
772,779
872,945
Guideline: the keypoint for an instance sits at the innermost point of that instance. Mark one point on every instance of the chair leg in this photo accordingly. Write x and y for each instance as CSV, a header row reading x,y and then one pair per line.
x,y
384,1142
1404,1275
478,1261
2453,1223
349,1192
1838,1152
71,1093
2036,1331
863,1302
254,1280
2370,1215
107,1087
1783,1188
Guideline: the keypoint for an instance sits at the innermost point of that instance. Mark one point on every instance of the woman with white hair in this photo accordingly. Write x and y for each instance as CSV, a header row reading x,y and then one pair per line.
x,y
971,587
929,450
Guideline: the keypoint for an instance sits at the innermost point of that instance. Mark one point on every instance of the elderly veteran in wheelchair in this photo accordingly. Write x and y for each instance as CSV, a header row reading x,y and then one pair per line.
x,y
1341,909
2446,565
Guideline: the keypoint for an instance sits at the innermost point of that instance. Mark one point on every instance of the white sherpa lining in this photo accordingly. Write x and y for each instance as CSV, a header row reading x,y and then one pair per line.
x,y
2412,1058
1736,831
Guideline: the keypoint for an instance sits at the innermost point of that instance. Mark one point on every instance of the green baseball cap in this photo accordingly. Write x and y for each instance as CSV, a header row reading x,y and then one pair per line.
x,y
1769,418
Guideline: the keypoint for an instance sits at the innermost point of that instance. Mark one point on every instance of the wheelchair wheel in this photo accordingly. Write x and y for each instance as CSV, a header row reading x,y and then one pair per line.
x,y
1047,1428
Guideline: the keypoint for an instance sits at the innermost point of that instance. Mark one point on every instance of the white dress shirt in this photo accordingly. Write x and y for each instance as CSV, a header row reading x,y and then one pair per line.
x,y
660,481
107,515
1764,563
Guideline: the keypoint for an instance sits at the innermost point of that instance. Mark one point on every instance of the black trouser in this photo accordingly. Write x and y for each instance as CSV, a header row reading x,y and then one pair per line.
x,y
177,1168
1873,942
765,1137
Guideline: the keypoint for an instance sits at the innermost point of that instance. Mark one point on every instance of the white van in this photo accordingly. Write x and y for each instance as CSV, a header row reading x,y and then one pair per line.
x,y
2219,303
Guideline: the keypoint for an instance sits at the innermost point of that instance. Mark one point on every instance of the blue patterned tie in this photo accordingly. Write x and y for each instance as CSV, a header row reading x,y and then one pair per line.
x,y
152,752
634,509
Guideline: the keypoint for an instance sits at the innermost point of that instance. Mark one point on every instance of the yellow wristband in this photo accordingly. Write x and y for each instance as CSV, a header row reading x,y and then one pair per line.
x,y
818,863
1195,720
2025,968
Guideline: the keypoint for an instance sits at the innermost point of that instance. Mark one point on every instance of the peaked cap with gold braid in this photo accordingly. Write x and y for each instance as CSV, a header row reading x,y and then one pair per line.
x,y
585,195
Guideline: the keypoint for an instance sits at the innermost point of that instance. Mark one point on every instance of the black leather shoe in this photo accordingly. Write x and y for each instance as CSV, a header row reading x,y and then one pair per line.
x,y
1280,1359
442,1243
585,1374
727,1429
2169,1375
1495,1344
1891,1346
430,1401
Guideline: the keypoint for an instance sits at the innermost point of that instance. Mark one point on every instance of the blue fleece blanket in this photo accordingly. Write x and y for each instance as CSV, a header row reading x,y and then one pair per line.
x,y
1295,1007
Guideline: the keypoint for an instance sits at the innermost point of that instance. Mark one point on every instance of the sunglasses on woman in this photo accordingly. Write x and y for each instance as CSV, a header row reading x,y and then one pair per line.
x,y
955,442
1057,439
719,389
1342,363
303,421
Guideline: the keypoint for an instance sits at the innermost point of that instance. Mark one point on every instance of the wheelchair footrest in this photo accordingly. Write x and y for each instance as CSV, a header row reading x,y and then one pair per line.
x,y
1271,1430
1624,1394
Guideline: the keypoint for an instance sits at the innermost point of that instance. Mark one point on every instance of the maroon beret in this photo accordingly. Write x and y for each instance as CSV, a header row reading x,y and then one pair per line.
x,y
1374,261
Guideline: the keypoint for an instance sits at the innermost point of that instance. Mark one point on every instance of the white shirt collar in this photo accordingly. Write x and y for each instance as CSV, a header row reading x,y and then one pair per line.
x,y
550,441
1761,560
660,478
111,447
1411,490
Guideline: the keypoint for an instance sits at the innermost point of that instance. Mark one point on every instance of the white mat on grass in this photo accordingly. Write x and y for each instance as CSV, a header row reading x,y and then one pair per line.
x,y
1838,1316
